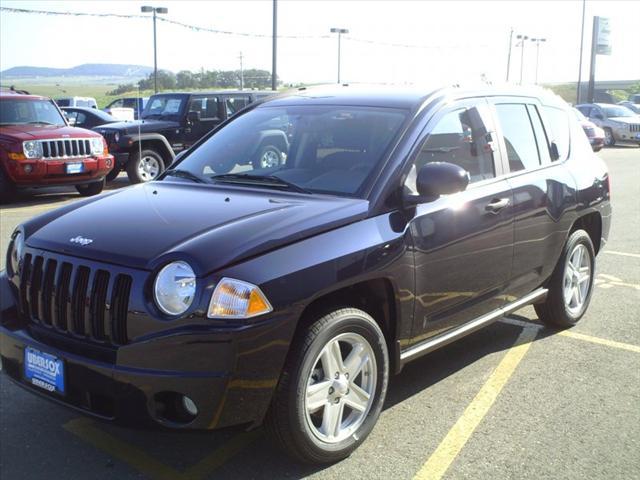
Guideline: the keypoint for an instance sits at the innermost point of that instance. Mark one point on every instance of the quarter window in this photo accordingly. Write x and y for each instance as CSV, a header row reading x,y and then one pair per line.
x,y
519,139
558,123
456,140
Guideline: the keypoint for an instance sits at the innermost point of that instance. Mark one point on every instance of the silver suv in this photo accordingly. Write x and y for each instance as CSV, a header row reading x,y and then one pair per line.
x,y
619,123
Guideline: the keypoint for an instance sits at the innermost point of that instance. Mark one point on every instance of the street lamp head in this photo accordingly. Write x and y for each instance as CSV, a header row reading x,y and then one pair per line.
x,y
162,10
146,9
339,30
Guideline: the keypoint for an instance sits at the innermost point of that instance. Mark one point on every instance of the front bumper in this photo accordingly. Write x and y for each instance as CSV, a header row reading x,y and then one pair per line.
x,y
229,375
38,172
624,134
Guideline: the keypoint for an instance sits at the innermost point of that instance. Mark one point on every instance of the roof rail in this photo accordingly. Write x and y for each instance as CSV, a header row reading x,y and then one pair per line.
x,y
12,88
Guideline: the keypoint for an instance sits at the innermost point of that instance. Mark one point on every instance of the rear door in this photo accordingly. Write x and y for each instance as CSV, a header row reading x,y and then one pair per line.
x,y
543,189
463,242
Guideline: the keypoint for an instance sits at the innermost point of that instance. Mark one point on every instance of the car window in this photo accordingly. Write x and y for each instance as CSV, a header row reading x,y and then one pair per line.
x,y
207,106
116,104
519,139
83,103
586,111
234,104
614,112
129,103
71,116
81,119
455,140
558,130
23,111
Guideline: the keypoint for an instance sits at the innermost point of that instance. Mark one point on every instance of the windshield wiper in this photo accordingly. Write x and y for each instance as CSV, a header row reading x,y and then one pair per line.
x,y
40,122
175,172
259,180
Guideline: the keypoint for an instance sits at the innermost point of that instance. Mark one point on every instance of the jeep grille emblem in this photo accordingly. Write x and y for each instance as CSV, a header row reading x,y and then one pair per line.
x,y
81,240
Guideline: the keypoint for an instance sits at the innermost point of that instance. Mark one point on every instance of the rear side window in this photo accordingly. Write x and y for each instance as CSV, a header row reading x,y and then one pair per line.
x,y
519,138
558,124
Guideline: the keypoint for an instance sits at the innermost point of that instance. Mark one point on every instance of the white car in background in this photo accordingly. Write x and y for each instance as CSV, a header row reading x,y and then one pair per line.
x,y
88,102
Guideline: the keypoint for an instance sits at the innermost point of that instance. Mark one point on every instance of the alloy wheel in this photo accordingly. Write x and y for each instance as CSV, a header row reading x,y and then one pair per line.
x,y
148,168
577,279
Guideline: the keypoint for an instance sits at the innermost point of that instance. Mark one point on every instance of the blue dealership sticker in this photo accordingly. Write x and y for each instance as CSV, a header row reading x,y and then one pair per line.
x,y
44,370
77,167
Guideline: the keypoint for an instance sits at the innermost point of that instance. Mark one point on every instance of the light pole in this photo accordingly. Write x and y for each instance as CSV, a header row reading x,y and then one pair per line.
x,y
538,41
509,54
339,31
155,11
522,39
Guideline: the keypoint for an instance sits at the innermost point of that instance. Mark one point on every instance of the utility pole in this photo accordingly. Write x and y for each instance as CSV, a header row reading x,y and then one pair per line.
x,y
538,41
509,54
578,93
241,73
592,71
274,76
339,31
522,39
155,10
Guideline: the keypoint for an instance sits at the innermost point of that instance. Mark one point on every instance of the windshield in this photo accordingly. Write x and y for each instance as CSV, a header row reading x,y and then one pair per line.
x,y
618,112
163,105
21,112
63,102
328,149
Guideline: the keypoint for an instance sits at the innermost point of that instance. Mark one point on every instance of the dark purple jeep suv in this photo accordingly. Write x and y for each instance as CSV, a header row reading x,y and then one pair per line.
x,y
393,223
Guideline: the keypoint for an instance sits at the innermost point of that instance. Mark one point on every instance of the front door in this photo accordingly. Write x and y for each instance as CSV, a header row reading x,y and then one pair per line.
x,y
209,112
463,242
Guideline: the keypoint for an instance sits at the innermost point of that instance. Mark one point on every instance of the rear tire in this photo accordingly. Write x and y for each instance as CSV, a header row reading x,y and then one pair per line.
x,y
7,188
144,166
344,356
571,284
91,189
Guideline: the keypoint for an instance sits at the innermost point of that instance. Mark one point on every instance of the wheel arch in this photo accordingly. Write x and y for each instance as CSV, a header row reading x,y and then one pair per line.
x,y
592,224
154,142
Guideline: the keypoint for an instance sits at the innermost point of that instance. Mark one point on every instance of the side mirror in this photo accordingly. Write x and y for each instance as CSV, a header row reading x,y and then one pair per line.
x,y
193,117
439,178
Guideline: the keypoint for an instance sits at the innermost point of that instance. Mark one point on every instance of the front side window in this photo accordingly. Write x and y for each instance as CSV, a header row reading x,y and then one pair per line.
x,y
558,123
117,104
21,112
619,111
318,149
455,139
207,107
519,138
234,104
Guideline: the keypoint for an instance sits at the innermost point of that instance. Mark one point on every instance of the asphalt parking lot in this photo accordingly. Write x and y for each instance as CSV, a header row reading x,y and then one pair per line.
x,y
514,400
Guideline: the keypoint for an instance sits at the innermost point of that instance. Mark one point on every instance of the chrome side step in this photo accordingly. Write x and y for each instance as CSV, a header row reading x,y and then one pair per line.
x,y
441,340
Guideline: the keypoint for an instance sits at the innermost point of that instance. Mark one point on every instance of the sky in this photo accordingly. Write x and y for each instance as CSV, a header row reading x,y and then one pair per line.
x,y
459,41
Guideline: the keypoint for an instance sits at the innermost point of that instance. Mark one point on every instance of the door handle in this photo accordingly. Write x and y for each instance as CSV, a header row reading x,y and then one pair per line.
x,y
496,205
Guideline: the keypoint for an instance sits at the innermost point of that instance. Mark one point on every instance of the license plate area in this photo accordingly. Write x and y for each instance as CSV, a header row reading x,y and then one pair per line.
x,y
44,370
74,168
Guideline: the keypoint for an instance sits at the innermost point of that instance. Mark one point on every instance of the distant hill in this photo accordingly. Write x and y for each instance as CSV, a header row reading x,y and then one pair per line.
x,y
84,70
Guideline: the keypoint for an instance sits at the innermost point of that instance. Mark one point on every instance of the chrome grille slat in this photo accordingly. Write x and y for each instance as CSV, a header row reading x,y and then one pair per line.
x,y
75,299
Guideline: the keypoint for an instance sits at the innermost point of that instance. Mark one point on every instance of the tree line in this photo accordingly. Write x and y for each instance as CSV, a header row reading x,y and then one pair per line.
x,y
184,79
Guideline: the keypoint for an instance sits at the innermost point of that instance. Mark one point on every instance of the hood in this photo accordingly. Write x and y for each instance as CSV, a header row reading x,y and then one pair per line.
x,y
43,132
627,120
144,126
210,227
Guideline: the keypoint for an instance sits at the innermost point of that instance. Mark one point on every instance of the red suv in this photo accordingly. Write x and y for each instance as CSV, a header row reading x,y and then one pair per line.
x,y
38,148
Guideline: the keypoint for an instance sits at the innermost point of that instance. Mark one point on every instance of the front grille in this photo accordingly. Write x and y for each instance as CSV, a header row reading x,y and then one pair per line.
x,y
66,148
634,127
75,300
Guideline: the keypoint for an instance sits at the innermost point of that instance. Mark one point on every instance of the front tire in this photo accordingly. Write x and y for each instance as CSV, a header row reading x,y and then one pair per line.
x,y
144,166
269,156
332,388
571,284
90,189
609,140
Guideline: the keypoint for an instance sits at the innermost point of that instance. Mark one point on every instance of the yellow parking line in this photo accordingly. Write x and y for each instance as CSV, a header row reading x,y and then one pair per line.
x,y
624,254
450,447
600,341
147,464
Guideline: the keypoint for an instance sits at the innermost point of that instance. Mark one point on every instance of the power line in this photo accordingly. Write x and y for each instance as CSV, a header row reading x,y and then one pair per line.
x,y
197,28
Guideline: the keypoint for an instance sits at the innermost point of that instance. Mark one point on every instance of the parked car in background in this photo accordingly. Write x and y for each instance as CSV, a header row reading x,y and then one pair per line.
x,y
171,123
398,222
634,98
593,132
634,107
137,104
84,117
38,148
77,102
619,123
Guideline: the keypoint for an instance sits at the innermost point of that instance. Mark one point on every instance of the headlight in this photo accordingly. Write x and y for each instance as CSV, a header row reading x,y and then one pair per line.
x,y
236,299
32,149
174,288
15,254
97,146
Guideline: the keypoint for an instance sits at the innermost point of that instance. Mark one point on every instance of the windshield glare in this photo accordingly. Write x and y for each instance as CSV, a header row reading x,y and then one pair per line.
x,y
618,112
21,112
163,105
328,149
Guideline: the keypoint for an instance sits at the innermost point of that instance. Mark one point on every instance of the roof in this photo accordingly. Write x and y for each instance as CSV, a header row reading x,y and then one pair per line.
x,y
18,95
213,92
409,98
